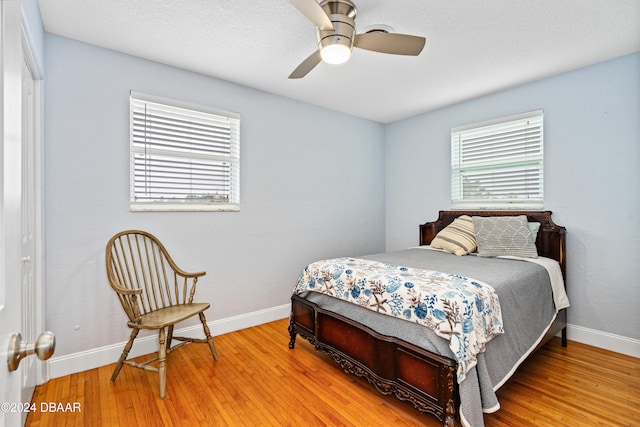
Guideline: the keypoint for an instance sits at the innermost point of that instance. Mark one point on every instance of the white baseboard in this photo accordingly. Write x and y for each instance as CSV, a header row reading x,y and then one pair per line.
x,y
94,358
605,340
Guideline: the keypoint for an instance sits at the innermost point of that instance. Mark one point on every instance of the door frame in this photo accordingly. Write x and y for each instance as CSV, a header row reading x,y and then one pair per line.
x,y
42,375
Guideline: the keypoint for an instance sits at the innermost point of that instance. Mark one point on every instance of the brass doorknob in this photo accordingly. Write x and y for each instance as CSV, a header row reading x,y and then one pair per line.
x,y
43,348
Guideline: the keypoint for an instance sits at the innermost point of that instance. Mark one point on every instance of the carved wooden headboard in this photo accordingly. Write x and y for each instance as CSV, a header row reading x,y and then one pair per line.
x,y
550,241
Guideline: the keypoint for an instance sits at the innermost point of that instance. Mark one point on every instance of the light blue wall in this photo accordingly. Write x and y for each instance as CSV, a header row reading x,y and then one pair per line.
x,y
312,186
592,180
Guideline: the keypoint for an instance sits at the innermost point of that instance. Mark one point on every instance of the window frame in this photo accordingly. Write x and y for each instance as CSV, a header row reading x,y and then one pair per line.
x,y
194,201
524,167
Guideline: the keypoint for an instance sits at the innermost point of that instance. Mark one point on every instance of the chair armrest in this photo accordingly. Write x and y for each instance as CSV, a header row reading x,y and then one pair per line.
x,y
129,301
125,291
189,275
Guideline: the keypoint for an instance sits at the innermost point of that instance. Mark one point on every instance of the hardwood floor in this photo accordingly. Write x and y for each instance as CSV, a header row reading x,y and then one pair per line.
x,y
258,381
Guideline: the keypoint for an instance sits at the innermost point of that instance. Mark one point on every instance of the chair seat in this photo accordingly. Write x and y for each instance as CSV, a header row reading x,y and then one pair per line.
x,y
170,315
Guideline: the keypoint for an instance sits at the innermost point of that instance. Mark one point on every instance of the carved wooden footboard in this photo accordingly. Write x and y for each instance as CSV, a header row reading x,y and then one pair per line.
x,y
393,366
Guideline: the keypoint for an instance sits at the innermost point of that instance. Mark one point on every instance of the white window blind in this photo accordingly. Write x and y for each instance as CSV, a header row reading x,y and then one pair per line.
x,y
183,157
498,164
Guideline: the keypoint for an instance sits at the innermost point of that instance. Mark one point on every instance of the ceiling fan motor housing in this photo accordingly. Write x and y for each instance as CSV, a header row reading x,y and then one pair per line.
x,y
342,14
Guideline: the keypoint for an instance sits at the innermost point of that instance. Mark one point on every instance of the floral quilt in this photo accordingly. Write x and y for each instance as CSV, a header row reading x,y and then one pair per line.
x,y
464,311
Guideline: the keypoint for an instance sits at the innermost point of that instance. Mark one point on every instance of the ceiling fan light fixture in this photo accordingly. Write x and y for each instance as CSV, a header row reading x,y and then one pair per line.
x,y
335,45
335,53
336,32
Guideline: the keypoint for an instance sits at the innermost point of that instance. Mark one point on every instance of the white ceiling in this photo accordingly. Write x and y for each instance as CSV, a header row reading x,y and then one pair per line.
x,y
474,47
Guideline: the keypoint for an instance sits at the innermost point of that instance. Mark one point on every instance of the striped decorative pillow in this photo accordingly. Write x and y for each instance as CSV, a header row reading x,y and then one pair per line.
x,y
457,238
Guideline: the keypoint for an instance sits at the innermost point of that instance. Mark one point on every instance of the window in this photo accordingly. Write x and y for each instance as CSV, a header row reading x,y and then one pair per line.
x,y
183,157
498,164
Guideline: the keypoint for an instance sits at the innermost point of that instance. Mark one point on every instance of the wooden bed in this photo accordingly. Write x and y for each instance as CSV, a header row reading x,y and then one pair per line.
x,y
393,366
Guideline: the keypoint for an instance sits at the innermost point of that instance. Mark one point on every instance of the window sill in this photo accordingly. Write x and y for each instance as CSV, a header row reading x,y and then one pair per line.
x,y
183,207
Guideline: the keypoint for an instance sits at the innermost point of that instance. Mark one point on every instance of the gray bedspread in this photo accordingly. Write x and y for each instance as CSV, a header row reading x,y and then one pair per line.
x,y
528,310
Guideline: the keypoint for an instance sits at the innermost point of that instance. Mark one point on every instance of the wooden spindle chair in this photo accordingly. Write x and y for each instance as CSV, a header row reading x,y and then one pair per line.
x,y
155,294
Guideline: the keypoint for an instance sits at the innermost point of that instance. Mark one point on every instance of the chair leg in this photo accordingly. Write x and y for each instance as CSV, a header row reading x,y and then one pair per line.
x,y
207,333
162,356
169,337
124,355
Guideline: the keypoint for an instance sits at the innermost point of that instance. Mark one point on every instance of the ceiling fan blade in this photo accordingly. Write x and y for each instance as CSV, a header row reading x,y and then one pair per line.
x,y
314,13
397,44
306,65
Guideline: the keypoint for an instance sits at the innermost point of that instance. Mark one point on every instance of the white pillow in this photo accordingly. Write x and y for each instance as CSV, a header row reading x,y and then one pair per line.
x,y
504,235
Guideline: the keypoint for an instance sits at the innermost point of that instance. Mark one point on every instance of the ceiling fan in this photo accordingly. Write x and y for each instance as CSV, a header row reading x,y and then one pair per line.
x,y
336,31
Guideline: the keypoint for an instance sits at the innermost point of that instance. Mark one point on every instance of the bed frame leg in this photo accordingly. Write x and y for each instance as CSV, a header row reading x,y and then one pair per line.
x,y
450,418
564,337
292,334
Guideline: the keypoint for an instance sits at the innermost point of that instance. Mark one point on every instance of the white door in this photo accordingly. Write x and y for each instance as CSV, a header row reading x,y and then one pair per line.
x,y
20,233
10,205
